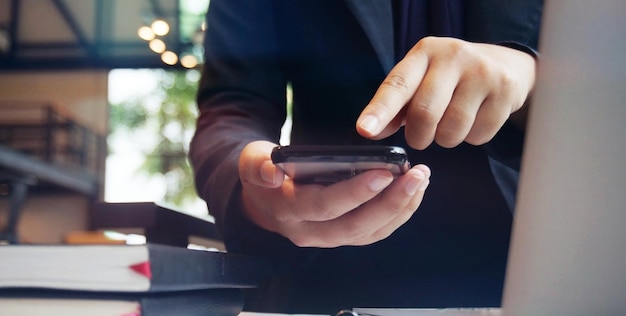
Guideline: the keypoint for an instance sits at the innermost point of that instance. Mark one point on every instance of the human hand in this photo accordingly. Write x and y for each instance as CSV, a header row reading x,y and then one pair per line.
x,y
449,91
358,211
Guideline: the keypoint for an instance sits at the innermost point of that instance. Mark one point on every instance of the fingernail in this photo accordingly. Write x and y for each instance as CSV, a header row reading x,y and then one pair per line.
x,y
424,185
425,170
416,184
369,123
379,183
268,174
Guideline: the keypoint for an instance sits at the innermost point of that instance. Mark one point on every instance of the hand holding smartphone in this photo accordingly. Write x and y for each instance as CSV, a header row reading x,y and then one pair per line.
x,y
330,164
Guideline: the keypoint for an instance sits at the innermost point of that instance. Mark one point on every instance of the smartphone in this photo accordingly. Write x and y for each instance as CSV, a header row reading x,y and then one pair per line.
x,y
330,164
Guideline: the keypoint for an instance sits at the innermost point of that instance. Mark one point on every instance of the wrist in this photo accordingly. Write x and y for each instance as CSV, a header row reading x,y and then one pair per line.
x,y
519,117
521,47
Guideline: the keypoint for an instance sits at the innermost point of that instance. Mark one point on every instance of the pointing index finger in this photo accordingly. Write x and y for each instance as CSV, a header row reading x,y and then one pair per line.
x,y
379,118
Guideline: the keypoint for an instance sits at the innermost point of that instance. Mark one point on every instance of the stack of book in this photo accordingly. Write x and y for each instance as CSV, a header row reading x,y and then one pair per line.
x,y
124,280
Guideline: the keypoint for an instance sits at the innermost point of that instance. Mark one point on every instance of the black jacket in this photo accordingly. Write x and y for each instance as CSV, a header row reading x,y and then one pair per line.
x,y
335,54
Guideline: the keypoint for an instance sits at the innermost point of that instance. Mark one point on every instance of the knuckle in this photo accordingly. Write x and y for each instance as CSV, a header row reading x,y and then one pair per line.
x,y
394,206
416,140
382,109
353,232
422,112
397,81
302,237
447,137
507,81
319,241
322,209
282,217
455,49
484,70
380,235
479,138
413,206
476,140
349,233
450,131
459,49
426,42
302,240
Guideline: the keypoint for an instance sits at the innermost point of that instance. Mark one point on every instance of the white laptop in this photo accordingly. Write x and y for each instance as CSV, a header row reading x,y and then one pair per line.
x,y
568,251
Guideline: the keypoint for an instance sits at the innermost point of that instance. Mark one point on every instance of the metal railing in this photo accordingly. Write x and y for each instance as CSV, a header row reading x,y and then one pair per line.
x,y
47,132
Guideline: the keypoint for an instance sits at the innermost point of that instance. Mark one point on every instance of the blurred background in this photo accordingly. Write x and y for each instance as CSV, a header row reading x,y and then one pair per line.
x,y
97,104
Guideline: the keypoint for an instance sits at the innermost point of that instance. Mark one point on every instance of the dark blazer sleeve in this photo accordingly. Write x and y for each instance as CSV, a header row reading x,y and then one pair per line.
x,y
516,24
241,99
512,23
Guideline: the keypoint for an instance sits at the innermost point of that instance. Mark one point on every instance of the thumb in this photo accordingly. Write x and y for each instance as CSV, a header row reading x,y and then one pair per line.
x,y
256,167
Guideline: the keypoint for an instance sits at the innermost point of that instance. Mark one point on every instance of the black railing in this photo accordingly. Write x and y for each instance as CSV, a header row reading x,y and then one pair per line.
x,y
44,131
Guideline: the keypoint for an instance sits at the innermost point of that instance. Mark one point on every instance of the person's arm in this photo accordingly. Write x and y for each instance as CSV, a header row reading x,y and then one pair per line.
x,y
514,24
241,99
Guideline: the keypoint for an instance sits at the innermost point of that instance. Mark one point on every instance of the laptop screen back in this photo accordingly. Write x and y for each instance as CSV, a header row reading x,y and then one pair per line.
x,y
568,251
